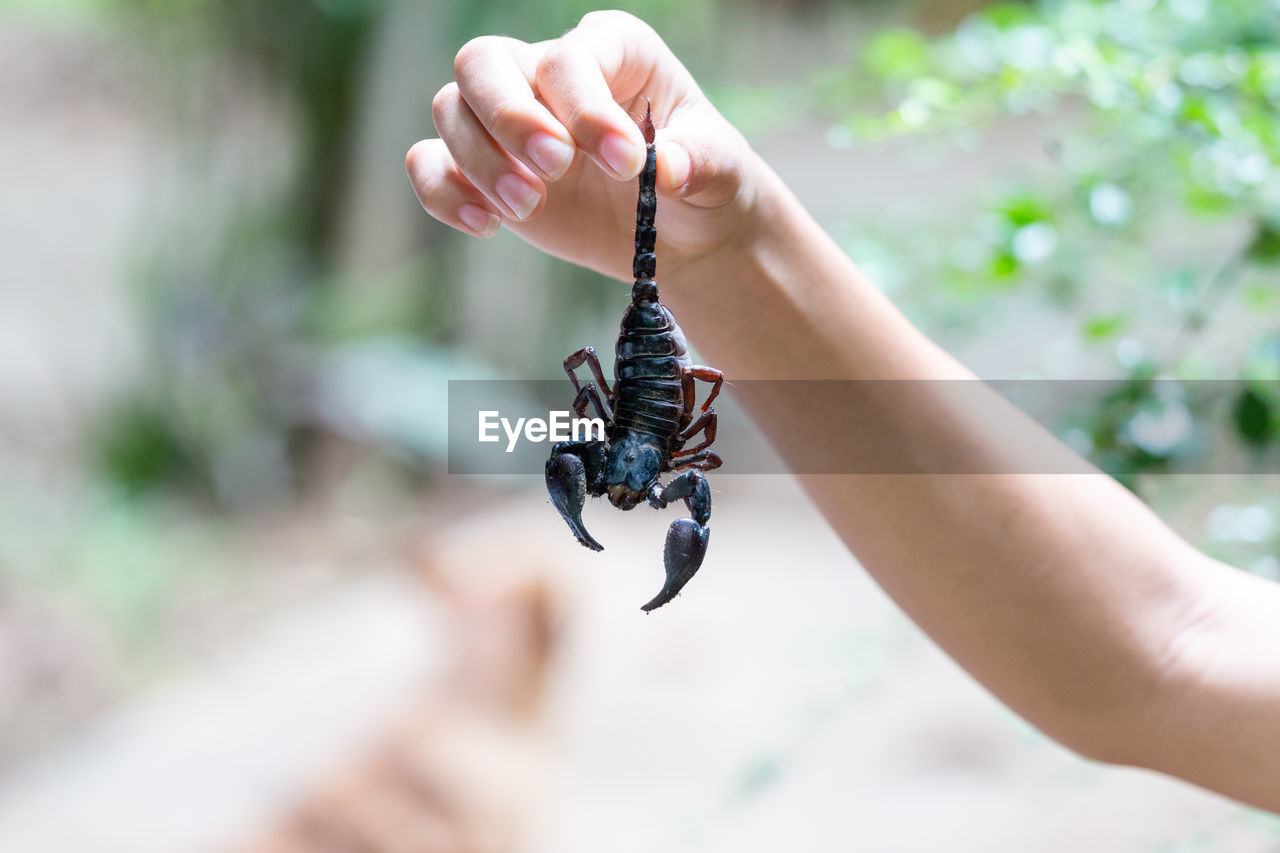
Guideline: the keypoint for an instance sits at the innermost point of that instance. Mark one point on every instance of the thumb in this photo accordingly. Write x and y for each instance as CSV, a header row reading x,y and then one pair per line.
x,y
700,163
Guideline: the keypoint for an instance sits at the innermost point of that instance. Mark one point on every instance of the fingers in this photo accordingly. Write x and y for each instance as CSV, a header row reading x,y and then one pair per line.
x,y
446,193
612,58
570,81
506,182
580,78
493,75
583,76
675,166
519,114
701,158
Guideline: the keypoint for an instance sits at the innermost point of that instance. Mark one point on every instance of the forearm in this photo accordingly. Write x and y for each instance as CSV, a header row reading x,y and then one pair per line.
x,y
1062,593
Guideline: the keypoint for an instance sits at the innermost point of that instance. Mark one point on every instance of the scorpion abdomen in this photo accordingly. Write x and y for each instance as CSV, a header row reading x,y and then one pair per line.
x,y
651,358
646,345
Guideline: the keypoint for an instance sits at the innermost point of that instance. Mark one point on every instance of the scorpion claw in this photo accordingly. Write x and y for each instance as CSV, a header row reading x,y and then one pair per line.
x,y
567,485
685,548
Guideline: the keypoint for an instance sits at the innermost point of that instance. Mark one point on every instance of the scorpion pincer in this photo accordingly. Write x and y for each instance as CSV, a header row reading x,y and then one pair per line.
x,y
648,414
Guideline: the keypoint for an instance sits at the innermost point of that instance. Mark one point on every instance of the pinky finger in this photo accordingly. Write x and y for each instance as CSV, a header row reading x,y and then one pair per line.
x,y
445,192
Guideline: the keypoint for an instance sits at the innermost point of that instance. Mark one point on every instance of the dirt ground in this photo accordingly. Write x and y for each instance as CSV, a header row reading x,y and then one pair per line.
x,y
782,702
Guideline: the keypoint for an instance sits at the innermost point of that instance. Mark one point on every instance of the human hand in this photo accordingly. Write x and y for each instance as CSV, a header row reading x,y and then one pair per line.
x,y
542,138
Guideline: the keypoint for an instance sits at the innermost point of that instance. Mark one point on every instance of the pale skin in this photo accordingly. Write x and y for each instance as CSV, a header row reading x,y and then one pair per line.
x,y
1061,593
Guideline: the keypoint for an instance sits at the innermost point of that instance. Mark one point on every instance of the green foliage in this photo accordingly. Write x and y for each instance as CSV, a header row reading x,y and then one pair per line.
x,y
1155,220
1104,326
897,54
1162,194
1255,419
1265,248
238,290
139,452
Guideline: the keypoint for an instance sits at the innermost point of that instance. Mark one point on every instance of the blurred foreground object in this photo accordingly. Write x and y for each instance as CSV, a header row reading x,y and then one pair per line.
x,y
464,771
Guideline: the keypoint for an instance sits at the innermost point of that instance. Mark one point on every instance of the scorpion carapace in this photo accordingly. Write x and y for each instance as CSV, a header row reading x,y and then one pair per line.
x,y
648,414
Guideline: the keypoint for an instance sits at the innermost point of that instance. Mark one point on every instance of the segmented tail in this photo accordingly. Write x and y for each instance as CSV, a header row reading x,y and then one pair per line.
x,y
645,263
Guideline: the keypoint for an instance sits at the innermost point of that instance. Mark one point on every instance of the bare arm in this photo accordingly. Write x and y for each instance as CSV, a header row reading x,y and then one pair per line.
x,y
1063,594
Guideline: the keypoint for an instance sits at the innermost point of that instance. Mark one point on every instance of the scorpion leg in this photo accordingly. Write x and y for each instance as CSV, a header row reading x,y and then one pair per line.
x,y
587,356
687,537
703,460
588,394
708,374
707,426
573,472
687,377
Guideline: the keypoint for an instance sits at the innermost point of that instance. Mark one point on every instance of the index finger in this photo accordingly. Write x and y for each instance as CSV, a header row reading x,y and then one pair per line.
x,y
583,76
495,76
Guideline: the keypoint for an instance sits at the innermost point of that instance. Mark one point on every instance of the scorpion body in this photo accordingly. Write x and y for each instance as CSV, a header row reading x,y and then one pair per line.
x,y
649,415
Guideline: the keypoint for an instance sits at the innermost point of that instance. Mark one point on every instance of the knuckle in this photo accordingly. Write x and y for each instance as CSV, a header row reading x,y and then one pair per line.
x,y
419,158
426,165
473,53
411,158
504,116
615,21
444,101
437,196
608,18
579,119
476,164
555,62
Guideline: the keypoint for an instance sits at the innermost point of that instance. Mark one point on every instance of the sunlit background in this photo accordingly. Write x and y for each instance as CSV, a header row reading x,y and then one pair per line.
x,y
244,607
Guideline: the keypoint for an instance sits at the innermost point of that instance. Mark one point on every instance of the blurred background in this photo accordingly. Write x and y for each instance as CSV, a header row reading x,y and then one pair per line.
x,y
243,606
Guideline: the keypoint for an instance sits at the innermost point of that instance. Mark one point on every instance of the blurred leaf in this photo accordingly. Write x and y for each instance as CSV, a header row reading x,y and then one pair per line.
x,y
896,54
1024,208
1005,16
1265,248
1104,326
138,451
1254,418
1262,297
1004,265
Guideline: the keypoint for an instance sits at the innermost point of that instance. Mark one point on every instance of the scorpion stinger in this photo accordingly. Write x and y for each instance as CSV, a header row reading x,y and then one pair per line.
x,y
649,416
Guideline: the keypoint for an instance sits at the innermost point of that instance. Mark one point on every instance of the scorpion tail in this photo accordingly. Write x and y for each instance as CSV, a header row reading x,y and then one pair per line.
x,y
644,265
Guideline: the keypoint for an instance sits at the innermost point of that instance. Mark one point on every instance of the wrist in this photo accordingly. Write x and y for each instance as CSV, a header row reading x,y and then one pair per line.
x,y
739,304
760,212
782,300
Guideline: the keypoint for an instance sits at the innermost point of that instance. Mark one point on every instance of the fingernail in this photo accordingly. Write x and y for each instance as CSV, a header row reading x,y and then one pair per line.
x,y
624,158
679,166
479,220
550,155
516,193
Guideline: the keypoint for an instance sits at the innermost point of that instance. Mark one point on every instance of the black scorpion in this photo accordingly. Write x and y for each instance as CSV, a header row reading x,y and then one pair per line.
x,y
648,415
